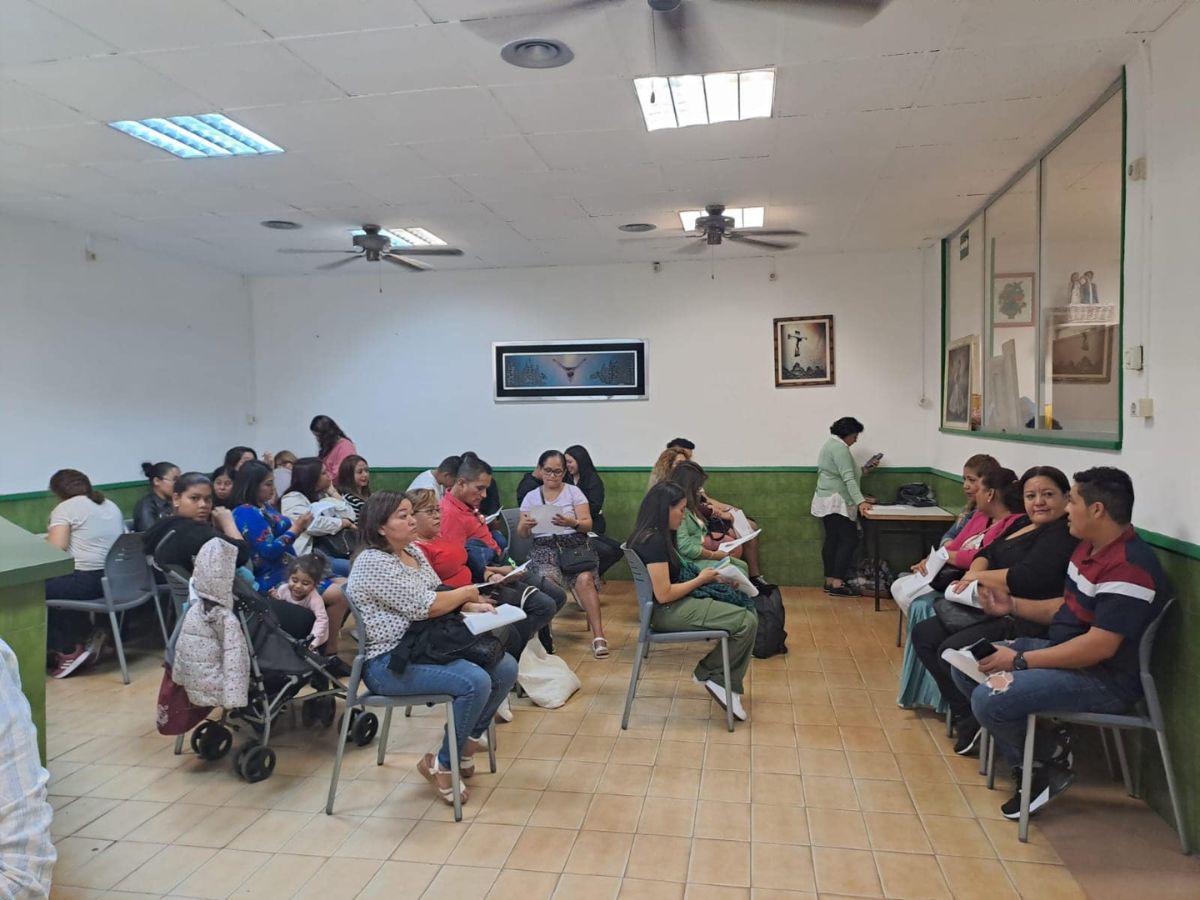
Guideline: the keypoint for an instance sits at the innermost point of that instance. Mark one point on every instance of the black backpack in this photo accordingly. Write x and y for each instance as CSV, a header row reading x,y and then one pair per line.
x,y
915,494
771,637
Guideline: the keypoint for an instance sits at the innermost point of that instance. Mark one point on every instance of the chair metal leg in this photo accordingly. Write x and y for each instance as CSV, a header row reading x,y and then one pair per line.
x,y
983,741
179,745
455,778
899,626
408,712
112,617
337,762
989,748
728,688
491,733
1125,774
1108,760
383,736
646,652
1173,790
162,623
949,724
633,680
1027,777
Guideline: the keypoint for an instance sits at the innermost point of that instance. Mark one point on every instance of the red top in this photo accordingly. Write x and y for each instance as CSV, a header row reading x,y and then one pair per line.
x,y
461,523
449,561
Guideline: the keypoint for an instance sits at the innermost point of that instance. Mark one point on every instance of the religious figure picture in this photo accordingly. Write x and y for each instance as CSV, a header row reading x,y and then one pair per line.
x,y
1013,302
1082,289
1081,353
570,370
804,351
959,382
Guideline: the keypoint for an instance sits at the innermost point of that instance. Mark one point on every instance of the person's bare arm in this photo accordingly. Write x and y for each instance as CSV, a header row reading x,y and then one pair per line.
x,y
666,592
1091,648
59,536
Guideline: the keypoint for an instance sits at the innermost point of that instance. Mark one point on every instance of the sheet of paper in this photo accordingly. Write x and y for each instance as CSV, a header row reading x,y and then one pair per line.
x,y
965,663
488,520
735,577
730,546
966,597
741,525
545,520
511,576
505,614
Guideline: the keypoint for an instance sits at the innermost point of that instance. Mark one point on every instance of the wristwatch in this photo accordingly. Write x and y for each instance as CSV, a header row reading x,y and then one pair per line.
x,y
1019,663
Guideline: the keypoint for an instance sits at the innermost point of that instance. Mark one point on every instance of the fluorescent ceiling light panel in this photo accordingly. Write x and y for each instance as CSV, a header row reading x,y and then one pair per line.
x,y
192,137
413,236
747,217
682,100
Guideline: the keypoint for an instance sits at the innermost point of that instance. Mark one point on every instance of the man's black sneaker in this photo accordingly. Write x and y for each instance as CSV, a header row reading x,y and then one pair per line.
x,y
842,591
968,736
764,586
1048,782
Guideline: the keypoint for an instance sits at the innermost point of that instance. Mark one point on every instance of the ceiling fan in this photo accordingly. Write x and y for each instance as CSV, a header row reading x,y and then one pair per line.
x,y
715,227
373,247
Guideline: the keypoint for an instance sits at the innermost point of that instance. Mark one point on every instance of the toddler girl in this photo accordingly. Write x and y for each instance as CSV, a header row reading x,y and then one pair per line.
x,y
304,574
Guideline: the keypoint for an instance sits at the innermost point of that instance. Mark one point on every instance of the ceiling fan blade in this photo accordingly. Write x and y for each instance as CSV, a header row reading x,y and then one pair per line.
x,y
340,262
405,263
432,250
683,39
698,245
837,12
529,19
777,232
297,250
774,245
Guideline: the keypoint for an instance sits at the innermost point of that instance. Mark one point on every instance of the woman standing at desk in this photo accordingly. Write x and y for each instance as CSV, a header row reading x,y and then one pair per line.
x,y
837,502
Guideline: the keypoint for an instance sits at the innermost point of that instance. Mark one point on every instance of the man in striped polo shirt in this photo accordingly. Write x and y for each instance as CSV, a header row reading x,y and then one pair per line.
x,y
1088,662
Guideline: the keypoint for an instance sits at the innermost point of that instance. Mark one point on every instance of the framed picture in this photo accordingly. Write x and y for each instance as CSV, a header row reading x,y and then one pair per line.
x,y
569,370
958,388
1081,354
803,351
1013,300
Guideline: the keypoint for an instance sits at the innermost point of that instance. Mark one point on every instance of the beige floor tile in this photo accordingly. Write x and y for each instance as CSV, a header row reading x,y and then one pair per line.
x,y
77,813
322,834
599,853
659,857
561,809
729,756
1003,835
896,831
271,832
774,894
664,816
507,806
550,746
823,762
430,842
814,714
542,849
166,869
724,785
375,838
976,879
619,778
129,783
914,742
776,788
677,783
911,876
587,887
640,889
779,824
933,799
952,836
830,793
527,774
781,867
884,796
461,883
633,751
1039,882
695,891
280,877
923,767
339,879
614,813
769,734
408,800
818,737
837,828
220,826
846,872
486,845
106,868
871,764
399,881
856,737
515,884
222,875
575,775
720,862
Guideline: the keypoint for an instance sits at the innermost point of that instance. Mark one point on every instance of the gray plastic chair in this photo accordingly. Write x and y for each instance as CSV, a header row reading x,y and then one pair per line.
x,y
518,547
1147,715
127,584
359,695
647,636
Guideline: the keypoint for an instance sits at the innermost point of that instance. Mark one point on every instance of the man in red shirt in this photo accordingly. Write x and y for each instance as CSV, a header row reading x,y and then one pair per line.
x,y
461,522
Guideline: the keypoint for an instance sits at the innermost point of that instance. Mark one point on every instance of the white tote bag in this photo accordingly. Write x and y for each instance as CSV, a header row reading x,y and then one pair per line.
x,y
547,680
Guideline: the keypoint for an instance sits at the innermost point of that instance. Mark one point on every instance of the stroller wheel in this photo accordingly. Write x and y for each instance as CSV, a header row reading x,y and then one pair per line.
x,y
211,740
364,728
256,762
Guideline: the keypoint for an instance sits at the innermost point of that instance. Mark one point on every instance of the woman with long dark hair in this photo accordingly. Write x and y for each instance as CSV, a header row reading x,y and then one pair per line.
x,y
581,472
236,457
332,443
156,504
353,482
222,484
310,484
689,538
676,609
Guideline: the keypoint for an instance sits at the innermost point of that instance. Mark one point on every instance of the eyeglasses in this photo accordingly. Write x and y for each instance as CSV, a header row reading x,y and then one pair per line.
x,y
552,471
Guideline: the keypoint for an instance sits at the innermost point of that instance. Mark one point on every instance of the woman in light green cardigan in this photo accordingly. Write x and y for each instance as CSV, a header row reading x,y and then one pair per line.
x,y
689,537
837,502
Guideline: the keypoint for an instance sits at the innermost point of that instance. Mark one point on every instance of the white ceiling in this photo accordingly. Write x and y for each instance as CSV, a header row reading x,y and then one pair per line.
x,y
401,112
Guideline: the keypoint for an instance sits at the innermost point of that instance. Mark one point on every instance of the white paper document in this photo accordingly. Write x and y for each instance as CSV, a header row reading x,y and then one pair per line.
x,y
730,546
511,576
735,577
545,519
908,588
741,525
966,597
505,614
488,520
965,663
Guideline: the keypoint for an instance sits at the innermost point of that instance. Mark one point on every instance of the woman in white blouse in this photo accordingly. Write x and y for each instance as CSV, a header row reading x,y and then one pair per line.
x,y
309,492
392,586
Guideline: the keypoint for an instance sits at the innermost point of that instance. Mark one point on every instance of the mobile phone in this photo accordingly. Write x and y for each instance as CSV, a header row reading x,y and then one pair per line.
x,y
982,649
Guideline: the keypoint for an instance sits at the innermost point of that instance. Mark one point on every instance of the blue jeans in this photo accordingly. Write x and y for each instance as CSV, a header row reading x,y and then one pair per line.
x,y
1004,713
338,567
479,555
476,692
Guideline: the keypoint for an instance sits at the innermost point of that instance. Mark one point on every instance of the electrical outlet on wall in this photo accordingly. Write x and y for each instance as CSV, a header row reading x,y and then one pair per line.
x,y
1142,408
251,419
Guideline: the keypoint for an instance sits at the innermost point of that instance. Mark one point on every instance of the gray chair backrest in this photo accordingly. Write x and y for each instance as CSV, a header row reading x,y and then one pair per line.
x,y
642,585
177,581
518,547
125,569
1145,653
355,686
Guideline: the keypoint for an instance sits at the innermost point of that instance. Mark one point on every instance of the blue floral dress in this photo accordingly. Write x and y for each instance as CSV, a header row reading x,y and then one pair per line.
x,y
266,531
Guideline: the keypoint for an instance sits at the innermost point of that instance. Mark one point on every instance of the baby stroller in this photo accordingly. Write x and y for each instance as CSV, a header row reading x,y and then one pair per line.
x,y
281,668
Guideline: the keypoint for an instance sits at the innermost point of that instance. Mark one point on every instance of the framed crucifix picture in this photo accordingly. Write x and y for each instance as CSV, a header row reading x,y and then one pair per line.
x,y
804,351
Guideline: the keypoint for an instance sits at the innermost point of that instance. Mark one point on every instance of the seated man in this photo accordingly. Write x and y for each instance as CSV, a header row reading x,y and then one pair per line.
x,y
1088,662
461,521
438,480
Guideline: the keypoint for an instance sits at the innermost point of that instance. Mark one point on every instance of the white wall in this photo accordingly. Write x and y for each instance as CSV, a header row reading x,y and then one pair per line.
x,y
1162,270
110,362
407,373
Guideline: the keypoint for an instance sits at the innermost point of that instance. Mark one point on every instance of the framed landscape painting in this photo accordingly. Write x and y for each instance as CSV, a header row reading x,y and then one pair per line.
x,y
1082,354
804,351
958,382
569,370
1013,300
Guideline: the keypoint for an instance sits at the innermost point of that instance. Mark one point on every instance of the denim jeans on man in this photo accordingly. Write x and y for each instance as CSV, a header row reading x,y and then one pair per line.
x,y
477,693
1003,713
479,555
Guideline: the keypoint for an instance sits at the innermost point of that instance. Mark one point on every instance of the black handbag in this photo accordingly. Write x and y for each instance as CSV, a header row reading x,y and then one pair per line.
x,y
443,640
574,556
339,546
915,494
957,617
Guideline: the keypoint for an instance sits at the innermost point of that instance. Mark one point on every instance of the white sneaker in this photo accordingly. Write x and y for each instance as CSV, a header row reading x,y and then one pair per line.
x,y
504,712
718,694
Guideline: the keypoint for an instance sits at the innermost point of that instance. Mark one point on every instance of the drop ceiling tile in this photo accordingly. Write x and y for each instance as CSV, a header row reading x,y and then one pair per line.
x,y
108,88
571,106
33,34
69,181
400,191
154,25
910,27
385,60
495,156
943,161
231,77
438,115
381,162
961,123
888,82
591,150
80,144
990,23
22,108
852,132
727,140
291,18
1006,73
639,206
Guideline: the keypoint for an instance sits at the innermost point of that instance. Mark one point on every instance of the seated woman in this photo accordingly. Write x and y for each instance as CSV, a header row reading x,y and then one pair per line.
x,y
283,462
354,482
665,465
676,607
196,520
272,536
567,530
236,457
85,524
693,530
310,485
581,472
332,444
449,560
1030,561
973,470
393,585
997,499
156,504
222,484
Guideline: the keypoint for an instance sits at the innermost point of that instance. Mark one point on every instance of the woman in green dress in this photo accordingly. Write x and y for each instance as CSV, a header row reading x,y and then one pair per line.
x,y
689,538
837,503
